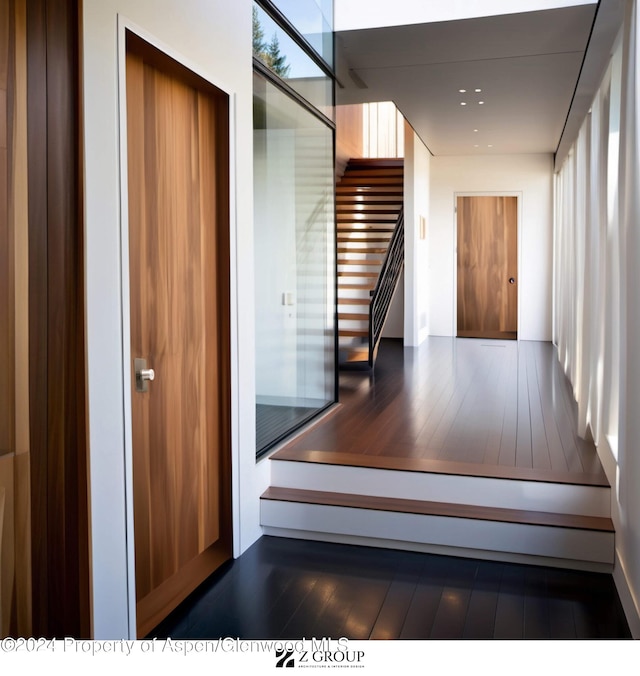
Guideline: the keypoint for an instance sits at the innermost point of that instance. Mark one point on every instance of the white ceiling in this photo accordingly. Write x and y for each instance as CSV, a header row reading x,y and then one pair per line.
x,y
527,66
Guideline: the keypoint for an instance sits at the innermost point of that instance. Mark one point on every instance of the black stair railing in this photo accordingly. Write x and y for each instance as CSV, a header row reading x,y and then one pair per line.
x,y
387,281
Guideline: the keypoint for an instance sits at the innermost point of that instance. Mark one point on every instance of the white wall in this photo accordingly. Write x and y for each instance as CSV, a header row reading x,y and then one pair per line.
x,y
417,167
207,34
530,177
597,313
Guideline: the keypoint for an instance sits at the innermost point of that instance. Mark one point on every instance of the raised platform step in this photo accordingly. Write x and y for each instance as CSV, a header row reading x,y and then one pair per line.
x,y
440,481
428,508
426,526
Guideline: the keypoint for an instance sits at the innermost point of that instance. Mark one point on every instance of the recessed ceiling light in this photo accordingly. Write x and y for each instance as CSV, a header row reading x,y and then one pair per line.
x,y
481,103
462,103
476,146
490,146
478,91
462,91
475,130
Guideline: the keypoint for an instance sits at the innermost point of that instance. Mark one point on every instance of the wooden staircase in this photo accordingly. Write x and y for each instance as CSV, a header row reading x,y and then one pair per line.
x,y
369,199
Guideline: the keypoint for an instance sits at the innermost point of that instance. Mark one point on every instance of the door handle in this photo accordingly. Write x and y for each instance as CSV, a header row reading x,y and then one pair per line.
x,y
512,280
143,374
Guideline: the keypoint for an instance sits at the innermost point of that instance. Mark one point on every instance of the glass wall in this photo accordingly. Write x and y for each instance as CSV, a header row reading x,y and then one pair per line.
x,y
313,19
277,50
294,262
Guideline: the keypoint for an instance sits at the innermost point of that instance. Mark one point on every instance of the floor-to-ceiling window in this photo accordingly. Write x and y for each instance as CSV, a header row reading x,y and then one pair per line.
x,y
293,216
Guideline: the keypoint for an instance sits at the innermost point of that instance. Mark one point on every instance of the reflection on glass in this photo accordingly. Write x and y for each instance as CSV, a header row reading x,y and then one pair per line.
x,y
313,19
294,263
285,58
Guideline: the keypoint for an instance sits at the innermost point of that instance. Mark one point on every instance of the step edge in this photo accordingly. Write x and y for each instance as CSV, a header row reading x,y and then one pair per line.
x,y
425,466
428,508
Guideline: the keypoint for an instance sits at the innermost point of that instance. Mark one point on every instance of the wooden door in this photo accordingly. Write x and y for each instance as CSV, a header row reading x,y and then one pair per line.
x,y
487,267
178,166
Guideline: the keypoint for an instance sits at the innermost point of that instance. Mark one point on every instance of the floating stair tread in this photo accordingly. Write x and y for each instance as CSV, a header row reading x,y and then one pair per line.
x,y
371,180
353,316
367,218
364,240
358,355
451,510
365,225
353,333
363,287
354,301
379,199
351,261
395,191
376,162
343,273
356,208
362,250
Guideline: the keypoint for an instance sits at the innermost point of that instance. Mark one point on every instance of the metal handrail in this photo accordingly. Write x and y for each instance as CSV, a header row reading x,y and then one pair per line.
x,y
385,287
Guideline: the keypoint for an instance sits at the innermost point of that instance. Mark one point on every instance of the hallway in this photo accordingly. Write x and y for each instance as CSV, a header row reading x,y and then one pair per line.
x,y
461,406
290,589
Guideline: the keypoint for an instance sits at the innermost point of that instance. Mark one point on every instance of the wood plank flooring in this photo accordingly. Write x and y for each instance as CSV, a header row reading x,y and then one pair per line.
x,y
502,407
290,589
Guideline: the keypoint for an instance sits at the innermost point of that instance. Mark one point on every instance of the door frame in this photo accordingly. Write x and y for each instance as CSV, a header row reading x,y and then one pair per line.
x,y
494,193
124,25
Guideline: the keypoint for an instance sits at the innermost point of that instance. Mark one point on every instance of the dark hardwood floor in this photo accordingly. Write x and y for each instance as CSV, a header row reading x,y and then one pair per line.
x,y
491,407
290,589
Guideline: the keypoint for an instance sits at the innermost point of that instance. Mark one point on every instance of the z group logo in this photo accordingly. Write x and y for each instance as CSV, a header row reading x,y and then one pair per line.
x,y
318,652
285,658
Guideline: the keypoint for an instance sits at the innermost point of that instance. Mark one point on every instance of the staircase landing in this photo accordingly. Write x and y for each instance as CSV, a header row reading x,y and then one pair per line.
x,y
463,445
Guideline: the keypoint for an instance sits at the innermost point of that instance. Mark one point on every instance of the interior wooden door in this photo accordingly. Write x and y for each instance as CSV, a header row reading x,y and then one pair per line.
x,y
178,166
487,267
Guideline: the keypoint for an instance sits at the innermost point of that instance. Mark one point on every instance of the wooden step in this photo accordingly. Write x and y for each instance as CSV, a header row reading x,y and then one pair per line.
x,y
353,333
361,250
374,173
559,539
367,190
357,208
349,273
362,182
355,355
573,521
376,162
363,228
352,261
354,301
389,217
373,198
343,239
353,316
361,287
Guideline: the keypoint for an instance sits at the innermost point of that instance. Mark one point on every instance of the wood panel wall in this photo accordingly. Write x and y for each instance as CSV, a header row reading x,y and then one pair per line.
x,y
15,555
59,515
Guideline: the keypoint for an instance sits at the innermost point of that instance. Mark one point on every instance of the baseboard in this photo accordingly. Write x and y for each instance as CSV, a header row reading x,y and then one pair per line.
x,y
631,609
441,550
